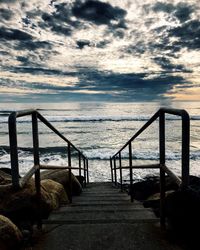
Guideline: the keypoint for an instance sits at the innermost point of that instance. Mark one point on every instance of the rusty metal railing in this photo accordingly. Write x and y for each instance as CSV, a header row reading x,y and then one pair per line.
x,y
183,182
35,170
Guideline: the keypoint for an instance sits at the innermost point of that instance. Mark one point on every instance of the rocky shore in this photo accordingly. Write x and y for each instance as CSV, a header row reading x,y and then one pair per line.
x,y
182,207
19,209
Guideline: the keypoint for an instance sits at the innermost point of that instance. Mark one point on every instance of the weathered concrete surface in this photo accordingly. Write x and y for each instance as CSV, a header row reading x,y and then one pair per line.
x,y
103,218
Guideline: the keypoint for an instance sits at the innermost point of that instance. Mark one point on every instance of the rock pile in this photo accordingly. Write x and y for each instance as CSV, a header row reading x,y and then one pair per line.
x,y
19,208
182,206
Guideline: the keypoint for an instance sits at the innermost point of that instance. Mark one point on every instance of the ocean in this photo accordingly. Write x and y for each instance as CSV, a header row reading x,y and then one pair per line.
x,y
99,130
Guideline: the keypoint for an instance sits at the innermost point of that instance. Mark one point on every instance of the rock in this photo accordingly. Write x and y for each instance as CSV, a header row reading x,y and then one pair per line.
x,y
153,202
151,185
56,191
182,210
7,171
21,205
10,235
81,179
62,177
5,178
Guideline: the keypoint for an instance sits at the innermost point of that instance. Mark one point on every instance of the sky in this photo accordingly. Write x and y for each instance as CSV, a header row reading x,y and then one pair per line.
x,y
101,50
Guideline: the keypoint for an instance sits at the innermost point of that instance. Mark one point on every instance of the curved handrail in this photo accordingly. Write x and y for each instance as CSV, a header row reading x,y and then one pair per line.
x,y
184,181
178,112
12,121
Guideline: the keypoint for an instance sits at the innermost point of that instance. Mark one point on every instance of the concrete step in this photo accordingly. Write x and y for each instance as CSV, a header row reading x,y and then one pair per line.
x,y
107,215
104,236
79,209
101,198
102,218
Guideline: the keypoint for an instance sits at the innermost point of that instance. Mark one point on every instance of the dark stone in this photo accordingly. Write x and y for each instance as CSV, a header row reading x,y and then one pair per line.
x,y
81,179
151,185
182,211
7,171
62,177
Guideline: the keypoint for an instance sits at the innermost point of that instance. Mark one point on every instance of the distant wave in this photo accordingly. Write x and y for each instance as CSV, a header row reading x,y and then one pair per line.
x,y
100,153
42,150
4,119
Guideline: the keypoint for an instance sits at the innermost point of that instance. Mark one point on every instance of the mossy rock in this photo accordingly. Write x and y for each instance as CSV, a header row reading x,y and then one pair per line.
x,y
62,177
10,235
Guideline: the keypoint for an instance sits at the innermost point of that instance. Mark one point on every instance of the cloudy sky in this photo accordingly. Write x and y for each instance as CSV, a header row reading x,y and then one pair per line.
x,y
101,50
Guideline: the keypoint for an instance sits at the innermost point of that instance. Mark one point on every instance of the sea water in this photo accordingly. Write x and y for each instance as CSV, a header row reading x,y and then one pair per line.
x,y
99,130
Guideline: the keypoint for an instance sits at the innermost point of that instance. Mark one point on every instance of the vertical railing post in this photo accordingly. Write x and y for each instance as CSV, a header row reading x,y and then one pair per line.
x,y
13,150
70,171
79,162
131,171
84,164
37,165
120,170
185,150
115,171
87,171
111,169
162,162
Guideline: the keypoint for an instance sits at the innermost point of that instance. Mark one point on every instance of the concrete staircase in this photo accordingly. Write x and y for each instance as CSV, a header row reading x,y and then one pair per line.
x,y
103,218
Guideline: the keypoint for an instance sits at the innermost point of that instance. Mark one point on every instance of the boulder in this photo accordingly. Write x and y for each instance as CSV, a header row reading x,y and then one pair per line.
x,y
150,185
62,177
10,235
153,202
7,171
182,211
21,205
81,179
57,194
5,178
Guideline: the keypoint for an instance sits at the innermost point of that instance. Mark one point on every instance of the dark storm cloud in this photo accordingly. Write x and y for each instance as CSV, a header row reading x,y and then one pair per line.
x,y
181,11
14,34
5,14
127,87
188,34
82,43
33,45
165,7
56,23
61,20
37,70
107,86
8,1
98,12
167,65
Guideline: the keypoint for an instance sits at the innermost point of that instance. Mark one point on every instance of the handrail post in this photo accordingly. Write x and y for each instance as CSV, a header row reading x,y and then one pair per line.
x,y
115,171
37,163
111,169
84,164
13,150
162,162
87,171
185,150
120,170
70,172
131,171
79,162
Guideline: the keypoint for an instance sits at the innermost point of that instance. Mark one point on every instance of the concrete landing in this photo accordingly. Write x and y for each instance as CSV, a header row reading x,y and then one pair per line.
x,y
103,218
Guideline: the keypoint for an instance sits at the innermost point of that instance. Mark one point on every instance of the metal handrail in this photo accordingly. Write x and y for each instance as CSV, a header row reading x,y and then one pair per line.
x,y
20,182
184,181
